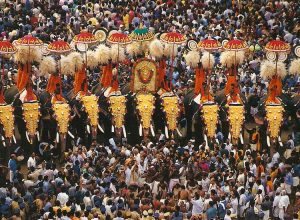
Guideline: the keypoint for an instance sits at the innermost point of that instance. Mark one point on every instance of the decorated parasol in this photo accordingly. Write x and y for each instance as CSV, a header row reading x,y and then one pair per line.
x,y
141,35
29,48
119,38
209,45
173,38
6,48
58,48
235,45
84,40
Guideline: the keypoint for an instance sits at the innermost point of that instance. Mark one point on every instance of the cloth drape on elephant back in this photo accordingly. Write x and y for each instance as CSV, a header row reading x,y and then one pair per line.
x,y
106,75
23,75
80,77
276,81
52,82
161,73
199,79
231,80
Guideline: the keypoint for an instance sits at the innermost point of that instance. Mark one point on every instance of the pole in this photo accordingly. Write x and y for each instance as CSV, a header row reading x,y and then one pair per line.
x,y
208,83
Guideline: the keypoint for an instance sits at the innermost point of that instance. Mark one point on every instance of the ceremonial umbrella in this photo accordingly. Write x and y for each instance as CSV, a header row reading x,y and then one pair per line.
x,y
173,38
86,39
6,48
119,39
209,45
59,48
141,35
235,45
277,50
29,41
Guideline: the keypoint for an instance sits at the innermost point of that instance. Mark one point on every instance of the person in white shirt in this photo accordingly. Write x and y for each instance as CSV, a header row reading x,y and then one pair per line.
x,y
276,205
63,197
31,161
227,216
197,205
284,202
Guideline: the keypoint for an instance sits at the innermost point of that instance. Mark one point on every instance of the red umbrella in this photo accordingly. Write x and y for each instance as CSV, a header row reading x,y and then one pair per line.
x,y
277,46
29,40
59,47
173,37
235,45
85,38
6,48
209,44
119,38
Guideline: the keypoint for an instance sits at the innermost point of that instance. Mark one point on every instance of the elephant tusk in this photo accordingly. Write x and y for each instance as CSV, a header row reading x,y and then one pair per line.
x,y
229,137
112,129
100,128
152,130
217,140
268,141
57,137
71,135
178,132
88,129
279,141
206,141
140,130
166,132
124,131
38,135
2,138
4,144
14,138
27,137
241,138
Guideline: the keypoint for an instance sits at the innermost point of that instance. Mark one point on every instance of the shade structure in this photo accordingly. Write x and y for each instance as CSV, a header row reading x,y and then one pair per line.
x,y
7,48
59,47
119,38
141,35
209,44
29,40
85,38
235,45
173,37
277,46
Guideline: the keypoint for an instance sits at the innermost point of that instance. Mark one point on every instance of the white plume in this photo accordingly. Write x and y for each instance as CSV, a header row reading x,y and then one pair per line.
x,y
208,60
192,58
267,69
77,60
67,67
117,54
103,54
47,65
295,67
134,49
92,61
156,49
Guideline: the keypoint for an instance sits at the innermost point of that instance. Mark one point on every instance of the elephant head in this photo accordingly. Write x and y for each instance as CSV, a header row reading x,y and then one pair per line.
x,y
210,118
274,116
31,116
236,117
171,108
90,104
62,116
145,107
118,111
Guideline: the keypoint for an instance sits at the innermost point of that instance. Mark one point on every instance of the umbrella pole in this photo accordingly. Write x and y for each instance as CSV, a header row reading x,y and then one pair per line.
x,y
276,61
172,63
2,65
117,67
85,45
208,84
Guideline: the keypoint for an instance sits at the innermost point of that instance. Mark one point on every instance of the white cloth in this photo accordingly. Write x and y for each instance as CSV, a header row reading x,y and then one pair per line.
x,y
31,162
197,206
63,198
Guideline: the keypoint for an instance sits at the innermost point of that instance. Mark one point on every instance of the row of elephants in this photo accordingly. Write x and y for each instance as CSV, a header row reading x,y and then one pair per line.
x,y
134,116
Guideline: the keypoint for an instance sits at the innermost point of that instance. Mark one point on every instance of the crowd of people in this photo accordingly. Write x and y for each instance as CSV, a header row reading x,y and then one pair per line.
x,y
157,179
